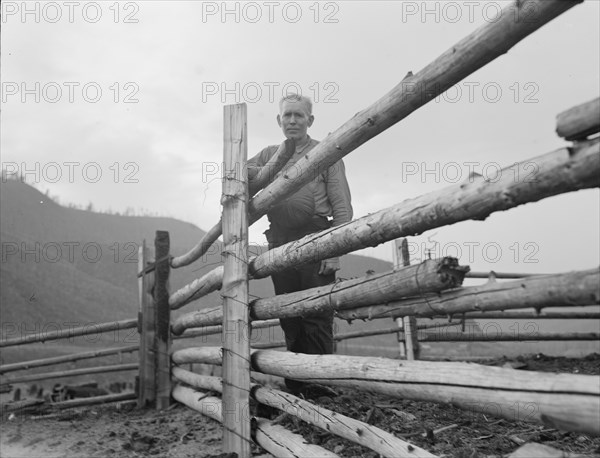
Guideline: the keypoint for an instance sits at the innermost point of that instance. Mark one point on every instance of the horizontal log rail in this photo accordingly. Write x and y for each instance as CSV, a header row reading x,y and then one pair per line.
x,y
22,405
533,316
579,288
572,289
561,171
66,358
464,58
508,337
91,328
275,439
429,276
579,122
564,170
563,401
500,275
356,334
105,399
376,439
457,337
211,281
217,329
70,373
266,175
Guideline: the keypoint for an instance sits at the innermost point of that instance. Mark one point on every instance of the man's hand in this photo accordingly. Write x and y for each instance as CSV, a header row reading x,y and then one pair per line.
x,y
329,266
259,177
253,172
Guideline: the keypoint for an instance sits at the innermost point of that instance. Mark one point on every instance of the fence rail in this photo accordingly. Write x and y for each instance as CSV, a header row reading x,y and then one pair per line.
x,y
67,358
565,170
430,289
464,58
564,401
71,373
88,329
579,288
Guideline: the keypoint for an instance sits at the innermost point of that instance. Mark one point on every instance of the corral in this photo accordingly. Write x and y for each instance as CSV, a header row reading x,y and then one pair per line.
x,y
565,402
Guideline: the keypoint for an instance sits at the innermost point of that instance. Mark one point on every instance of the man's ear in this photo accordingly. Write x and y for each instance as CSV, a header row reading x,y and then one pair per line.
x,y
279,120
311,119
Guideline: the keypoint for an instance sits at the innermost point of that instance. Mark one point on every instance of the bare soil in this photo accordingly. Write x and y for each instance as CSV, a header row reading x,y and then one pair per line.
x,y
124,431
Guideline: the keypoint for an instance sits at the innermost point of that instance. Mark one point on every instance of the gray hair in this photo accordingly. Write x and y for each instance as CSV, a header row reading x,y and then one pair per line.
x,y
297,98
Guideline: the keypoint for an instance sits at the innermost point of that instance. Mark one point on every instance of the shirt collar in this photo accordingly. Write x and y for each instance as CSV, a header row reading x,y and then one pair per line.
x,y
305,146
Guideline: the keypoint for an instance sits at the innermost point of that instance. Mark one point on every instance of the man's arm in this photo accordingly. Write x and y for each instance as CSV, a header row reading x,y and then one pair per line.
x,y
338,193
256,163
269,163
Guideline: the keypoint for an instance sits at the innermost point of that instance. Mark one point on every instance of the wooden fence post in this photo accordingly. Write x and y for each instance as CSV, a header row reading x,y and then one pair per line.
x,y
409,348
146,378
162,314
236,344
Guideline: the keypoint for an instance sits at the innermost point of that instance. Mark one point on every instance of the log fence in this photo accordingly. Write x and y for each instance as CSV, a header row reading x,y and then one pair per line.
x,y
432,289
153,380
414,91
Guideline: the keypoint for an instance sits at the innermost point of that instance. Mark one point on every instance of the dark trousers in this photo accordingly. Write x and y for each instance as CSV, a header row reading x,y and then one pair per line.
x,y
311,335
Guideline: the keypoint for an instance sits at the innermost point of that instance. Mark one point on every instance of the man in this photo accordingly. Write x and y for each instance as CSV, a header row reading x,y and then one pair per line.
x,y
323,202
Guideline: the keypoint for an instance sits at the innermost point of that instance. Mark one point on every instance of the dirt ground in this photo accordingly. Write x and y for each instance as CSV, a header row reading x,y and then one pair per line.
x,y
124,431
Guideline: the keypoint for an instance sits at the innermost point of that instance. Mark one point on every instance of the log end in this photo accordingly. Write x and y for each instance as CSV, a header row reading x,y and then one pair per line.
x,y
451,273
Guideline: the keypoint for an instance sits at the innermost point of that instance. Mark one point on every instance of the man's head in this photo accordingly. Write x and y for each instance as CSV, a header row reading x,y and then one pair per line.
x,y
295,116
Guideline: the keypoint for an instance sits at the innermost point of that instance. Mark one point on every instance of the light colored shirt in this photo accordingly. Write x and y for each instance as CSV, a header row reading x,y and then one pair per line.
x,y
330,188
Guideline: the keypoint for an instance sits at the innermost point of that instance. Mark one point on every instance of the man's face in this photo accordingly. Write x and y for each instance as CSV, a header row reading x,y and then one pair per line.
x,y
294,119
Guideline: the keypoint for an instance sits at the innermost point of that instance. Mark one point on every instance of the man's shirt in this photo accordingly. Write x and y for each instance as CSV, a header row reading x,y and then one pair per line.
x,y
330,188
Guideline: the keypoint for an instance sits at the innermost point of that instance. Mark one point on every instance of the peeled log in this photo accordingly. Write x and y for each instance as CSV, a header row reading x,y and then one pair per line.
x,y
575,289
200,248
531,449
579,122
464,58
236,366
564,170
280,442
212,281
563,401
429,276
266,175
273,438
217,329
376,439
192,355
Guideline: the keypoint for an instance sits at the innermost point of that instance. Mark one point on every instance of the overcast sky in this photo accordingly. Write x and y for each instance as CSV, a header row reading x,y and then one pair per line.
x,y
135,91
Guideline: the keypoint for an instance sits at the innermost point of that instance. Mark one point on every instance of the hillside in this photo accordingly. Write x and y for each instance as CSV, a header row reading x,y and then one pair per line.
x,y
62,266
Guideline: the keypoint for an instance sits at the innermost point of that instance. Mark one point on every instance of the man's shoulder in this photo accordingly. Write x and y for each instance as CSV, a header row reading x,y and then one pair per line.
x,y
265,154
